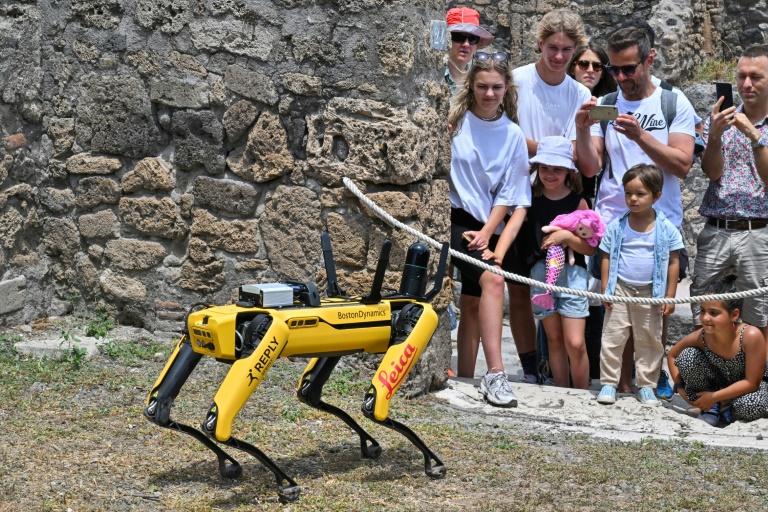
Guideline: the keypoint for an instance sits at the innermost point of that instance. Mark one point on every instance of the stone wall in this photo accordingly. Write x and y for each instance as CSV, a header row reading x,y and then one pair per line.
x,y
159,153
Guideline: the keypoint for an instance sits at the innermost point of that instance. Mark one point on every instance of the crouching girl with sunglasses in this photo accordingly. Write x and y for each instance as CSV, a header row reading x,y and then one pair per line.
x,y
488,183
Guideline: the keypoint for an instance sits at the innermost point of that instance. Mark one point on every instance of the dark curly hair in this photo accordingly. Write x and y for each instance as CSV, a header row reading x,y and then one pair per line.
x,y
725,284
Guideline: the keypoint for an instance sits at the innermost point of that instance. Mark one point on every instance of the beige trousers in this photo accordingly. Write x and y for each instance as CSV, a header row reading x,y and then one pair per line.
x,y
643,321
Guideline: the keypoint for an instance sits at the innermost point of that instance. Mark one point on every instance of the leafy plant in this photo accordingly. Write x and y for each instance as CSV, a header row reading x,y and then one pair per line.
x,y
101,324
8,342
128,352
74,354
714,70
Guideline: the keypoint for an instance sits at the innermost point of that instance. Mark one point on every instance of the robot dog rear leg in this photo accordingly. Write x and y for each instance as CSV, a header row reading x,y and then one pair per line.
x,y
158,410
310,391
412,331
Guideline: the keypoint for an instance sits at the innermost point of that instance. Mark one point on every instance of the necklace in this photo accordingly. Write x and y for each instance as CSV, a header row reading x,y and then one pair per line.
x,y
457,68
494,117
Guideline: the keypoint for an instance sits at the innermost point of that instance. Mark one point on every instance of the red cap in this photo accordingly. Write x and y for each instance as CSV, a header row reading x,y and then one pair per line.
x,y
466,20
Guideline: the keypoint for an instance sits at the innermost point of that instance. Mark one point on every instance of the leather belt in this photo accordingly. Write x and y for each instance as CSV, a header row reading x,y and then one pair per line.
x,y
740,224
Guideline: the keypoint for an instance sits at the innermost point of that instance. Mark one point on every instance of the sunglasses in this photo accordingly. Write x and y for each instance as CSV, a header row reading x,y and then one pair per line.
x,y
496,56
628,70
460,37
584,65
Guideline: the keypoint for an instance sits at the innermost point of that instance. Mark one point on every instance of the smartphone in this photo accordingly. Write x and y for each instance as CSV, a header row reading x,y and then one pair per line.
x,y
466,237
604,112
724,89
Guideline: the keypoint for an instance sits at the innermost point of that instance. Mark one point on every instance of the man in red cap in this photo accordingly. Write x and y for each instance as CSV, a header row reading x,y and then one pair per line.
x,y
466,36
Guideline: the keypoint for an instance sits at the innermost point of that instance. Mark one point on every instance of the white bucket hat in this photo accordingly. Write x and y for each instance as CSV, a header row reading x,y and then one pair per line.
x,y
555,151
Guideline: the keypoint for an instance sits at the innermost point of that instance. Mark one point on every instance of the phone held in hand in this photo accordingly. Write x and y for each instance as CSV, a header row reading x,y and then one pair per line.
x,y
467,237
603,112
724,89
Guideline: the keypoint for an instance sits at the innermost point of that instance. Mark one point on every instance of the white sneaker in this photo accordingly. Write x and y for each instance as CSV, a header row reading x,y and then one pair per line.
x,y
497,391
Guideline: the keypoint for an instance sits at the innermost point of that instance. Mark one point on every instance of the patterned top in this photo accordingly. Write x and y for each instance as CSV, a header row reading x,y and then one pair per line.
x,y
739,193
731,370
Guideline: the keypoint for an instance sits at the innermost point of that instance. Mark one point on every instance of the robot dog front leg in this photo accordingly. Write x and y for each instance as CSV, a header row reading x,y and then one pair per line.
x,y
158,409
264,341
412,331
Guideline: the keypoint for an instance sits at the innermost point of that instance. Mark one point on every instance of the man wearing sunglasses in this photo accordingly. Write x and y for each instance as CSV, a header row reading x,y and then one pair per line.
x,y
466,37
640,134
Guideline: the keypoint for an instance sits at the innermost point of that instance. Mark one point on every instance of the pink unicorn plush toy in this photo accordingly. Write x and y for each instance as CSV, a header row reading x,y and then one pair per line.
x,y
585,224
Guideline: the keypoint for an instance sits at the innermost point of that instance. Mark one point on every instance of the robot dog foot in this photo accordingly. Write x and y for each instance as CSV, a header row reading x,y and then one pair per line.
x,y
287,490
228,467
433,466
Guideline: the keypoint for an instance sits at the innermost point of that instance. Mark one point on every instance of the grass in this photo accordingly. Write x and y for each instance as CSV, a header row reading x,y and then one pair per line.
x,y
85,428
714,70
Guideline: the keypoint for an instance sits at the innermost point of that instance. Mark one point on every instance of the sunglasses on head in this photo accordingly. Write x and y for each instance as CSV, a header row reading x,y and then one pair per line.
x,y
584,65
496,56
460,37
628,70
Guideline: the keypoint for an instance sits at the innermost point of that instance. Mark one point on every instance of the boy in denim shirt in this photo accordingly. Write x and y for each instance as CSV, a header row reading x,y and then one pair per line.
x,y
639,259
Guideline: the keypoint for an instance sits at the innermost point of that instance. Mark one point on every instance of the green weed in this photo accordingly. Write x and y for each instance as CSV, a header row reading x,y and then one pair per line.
x,y
100,325
713,70
130,352
73,354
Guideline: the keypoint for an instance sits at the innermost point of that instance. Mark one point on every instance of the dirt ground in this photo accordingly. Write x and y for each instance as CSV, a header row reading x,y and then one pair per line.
x,y
74,438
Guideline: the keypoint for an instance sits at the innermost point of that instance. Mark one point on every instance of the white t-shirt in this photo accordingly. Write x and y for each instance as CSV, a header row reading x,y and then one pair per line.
x,y
544,110
636,256
489,167
624,153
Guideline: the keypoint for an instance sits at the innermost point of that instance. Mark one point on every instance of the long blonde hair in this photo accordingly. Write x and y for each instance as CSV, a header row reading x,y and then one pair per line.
x,y
464,99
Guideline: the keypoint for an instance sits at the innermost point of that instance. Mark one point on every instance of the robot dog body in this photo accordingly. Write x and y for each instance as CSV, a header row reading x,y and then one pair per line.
x,y
251,334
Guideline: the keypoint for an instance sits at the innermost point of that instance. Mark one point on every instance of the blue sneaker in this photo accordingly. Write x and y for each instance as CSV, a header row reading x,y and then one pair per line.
x,y
646,397
712,416
726,416
663,389
607,395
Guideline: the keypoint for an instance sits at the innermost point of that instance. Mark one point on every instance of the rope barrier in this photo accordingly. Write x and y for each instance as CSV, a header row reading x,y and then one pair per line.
x,y
525,280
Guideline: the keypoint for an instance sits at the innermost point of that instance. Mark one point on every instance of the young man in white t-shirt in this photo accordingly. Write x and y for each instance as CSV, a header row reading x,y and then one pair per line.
x,y
547,101
639,135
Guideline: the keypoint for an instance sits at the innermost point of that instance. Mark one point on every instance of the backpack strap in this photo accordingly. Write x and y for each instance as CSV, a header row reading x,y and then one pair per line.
x,y
665,85
668,106
608,99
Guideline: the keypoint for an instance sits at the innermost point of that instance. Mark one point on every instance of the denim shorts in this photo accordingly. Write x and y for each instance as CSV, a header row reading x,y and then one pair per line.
x,y
571,306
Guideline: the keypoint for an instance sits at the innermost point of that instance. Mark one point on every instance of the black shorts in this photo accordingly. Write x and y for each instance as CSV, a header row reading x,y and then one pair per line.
x,y
515,261
462,221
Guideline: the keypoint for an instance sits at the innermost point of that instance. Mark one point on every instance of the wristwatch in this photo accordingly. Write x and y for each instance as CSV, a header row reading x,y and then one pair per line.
x,y
760,143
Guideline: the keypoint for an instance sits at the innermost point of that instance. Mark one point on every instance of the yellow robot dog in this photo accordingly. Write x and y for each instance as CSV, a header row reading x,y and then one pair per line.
x,y
289,319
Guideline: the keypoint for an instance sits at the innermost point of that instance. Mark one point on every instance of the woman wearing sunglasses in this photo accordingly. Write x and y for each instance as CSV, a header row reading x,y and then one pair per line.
x,y
588,68
488,182
466,37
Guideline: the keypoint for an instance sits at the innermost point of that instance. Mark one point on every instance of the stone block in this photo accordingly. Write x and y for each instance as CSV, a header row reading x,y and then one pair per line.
x,y
251,84
12,294
153,217
289,226
154,174
238,118
226,195
198,137
95,191
179,94
103,224
122,288
265,156
89,164
127,254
